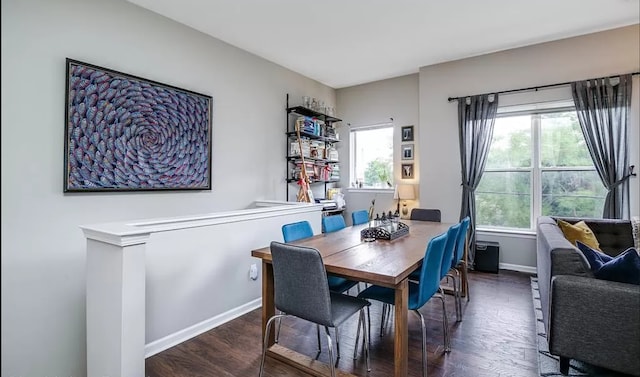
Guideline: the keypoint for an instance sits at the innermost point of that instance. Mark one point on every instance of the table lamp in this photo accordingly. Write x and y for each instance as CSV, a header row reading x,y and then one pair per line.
x,y
404,193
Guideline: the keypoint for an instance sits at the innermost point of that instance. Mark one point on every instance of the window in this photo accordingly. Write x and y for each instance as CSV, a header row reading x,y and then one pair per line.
x,y
538,164
372,156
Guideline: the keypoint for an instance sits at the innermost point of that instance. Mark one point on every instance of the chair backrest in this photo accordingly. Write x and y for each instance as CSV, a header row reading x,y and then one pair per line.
x,y
333,223
300,283
430,273
423,214
449,249
360,217
296,231
462,238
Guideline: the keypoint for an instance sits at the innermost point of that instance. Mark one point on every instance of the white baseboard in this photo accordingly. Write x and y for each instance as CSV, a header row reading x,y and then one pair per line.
x,y
518,267
199,328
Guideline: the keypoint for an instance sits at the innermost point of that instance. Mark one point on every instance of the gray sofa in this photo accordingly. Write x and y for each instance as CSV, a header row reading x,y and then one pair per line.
x,y
588,319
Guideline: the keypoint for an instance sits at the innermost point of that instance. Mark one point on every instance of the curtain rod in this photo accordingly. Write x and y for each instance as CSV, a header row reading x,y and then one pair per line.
x,y
451,99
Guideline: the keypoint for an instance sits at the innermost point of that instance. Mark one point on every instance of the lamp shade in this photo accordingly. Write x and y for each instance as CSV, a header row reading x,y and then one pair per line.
x,y
404,192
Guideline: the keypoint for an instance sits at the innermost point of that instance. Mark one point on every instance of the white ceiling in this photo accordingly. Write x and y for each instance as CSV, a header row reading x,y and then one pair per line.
x,y
342,43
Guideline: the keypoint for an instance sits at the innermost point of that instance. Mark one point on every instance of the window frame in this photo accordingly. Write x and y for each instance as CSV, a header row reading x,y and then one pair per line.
x,y
352,155
536,169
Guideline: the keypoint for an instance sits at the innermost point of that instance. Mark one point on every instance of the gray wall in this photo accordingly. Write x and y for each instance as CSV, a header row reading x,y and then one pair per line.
x,y
43,250
376,103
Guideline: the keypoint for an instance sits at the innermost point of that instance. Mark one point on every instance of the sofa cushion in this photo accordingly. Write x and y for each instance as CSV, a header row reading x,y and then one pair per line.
x,y
624,268
579,231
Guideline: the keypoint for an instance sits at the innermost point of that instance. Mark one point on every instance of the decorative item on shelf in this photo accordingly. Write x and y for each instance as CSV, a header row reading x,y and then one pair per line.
x,y
367,234
371,209
403,193
304,193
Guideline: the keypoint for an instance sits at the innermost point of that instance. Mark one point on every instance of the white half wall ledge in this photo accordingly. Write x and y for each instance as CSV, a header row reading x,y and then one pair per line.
x,y
116,272
134,232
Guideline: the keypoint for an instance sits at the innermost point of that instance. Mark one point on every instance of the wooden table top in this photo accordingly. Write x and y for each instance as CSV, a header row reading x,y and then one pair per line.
x,y
381,262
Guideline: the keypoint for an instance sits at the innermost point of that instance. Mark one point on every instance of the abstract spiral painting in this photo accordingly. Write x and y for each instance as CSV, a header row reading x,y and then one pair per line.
x,y
128,133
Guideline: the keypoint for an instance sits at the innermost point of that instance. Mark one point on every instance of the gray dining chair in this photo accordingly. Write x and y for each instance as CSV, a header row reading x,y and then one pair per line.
x,y
301,290
424,214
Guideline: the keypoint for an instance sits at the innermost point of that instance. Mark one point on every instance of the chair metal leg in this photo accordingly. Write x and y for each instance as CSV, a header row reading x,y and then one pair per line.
x,y
266,341
386,317
355,347
330,346
337,343
278,327
465,272
456,296
319,345
383,318
445,323
424,343
365,339
369,323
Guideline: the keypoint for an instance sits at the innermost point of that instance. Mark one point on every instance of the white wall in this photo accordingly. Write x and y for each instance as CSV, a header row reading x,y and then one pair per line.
x,y
376,103
595,55
43,249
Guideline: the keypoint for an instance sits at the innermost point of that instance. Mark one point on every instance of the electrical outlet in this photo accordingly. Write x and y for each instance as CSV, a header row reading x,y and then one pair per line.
x,y
253,272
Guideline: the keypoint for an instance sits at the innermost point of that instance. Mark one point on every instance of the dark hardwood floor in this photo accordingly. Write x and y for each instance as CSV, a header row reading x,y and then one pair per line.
x,y
496,338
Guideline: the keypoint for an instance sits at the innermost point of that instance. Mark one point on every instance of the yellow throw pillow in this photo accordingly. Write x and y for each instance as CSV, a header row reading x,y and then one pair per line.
x,y
579,231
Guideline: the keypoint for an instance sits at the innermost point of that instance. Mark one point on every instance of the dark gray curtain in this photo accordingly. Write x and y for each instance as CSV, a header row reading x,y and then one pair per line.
x,y
603,112
476,117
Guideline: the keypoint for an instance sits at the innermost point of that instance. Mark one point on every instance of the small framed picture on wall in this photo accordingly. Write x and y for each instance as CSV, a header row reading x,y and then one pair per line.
x,y
407,151
407,133
407,171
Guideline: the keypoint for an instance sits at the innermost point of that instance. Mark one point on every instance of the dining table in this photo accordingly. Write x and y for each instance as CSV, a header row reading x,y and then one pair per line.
x,y
386,263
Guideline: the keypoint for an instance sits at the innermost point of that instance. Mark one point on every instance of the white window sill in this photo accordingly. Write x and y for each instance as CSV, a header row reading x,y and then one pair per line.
x,y
517,233
370,190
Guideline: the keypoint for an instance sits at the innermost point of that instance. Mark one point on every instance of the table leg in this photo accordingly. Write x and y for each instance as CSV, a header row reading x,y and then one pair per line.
x,y
401,342
268,305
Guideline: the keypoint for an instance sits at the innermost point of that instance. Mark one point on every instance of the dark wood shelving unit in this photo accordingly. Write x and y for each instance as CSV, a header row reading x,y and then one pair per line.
x,y
292,136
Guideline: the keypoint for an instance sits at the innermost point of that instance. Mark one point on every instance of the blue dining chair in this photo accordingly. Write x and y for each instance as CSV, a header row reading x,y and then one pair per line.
x,y
420,293
296,231
333,223
447,258
360,217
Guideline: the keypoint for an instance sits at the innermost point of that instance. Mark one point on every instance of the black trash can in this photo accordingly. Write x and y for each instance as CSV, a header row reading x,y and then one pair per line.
x,y
487,256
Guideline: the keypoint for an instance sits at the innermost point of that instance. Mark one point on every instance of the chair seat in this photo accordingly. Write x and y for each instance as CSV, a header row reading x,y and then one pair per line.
x,y
338,284
344,306
387,295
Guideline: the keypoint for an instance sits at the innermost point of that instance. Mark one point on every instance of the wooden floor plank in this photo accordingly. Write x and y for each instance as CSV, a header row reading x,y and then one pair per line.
x,y
495,339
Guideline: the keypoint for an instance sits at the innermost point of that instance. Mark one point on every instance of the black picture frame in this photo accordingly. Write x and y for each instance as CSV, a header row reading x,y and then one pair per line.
x,y
407,171
407,133
407,151
127,133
